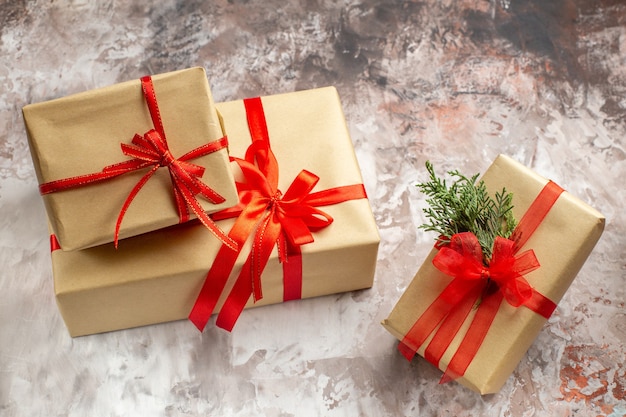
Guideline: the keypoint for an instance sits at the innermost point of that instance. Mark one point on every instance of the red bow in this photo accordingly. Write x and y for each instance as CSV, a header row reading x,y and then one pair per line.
x,y
475,284
291,215
151,150
463,260
286,220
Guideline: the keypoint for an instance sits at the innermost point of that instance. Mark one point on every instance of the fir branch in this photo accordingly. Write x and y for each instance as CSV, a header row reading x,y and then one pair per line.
x,y
466,206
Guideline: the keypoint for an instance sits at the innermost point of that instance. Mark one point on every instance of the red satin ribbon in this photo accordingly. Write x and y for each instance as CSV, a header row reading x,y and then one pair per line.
x,y
477,284
54,243
151,150
272,218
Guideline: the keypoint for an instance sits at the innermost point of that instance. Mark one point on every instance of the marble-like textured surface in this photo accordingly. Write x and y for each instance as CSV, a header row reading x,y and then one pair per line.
x,y
456,82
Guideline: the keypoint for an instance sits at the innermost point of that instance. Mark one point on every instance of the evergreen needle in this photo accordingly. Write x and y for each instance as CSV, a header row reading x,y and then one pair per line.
x,y
466,206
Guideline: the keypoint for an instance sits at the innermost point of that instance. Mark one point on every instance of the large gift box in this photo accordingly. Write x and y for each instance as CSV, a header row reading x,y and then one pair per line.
x,y
97,154
164,275
561,241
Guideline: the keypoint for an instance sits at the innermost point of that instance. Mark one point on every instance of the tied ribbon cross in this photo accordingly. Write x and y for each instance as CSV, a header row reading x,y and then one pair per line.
x,y
151,150
286,221
480,287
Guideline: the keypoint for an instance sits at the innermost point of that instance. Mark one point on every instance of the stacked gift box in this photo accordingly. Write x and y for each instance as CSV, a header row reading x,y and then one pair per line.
x,y
324,236
163,206
79,135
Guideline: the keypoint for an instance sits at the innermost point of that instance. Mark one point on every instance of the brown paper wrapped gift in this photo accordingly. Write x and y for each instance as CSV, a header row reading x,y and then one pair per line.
x,y
156,277
81,134
562,242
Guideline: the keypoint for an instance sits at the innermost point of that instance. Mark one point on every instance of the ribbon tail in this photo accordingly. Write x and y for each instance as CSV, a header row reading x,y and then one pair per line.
x,y
181,204
129,199
265,237
487,311
206,220
450,326
430,319
219,273
214,283
236,301
209,193
249,280
185,174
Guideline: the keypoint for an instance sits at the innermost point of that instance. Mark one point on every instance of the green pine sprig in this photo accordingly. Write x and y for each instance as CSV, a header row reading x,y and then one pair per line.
x,y
466,206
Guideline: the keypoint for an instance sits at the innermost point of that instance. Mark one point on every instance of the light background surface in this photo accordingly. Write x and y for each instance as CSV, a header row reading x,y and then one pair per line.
x,y
454,82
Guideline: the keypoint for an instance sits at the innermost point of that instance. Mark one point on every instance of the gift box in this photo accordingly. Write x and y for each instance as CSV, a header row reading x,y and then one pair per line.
x,y
158,276
561,242
96,156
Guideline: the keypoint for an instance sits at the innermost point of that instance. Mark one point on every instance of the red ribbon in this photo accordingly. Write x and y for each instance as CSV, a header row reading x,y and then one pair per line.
x,y
273,218
477,284
151,150
54,243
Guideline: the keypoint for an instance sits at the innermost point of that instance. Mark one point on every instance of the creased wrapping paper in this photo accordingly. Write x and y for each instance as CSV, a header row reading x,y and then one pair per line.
x,y
156,277
562,243
82,133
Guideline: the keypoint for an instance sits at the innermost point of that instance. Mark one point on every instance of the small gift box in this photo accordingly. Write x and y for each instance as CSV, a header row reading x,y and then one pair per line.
x,y
304,217
97,154
476,321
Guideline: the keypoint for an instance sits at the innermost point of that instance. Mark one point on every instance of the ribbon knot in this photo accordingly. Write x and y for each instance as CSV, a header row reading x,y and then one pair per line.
x,y
463,260
167,159
485,274
275,200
